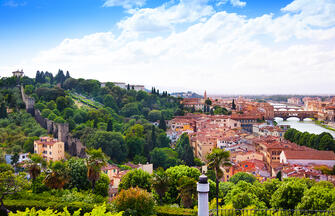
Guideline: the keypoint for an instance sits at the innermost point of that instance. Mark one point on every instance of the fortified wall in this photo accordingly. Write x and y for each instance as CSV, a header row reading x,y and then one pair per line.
x,y
28,101
60,131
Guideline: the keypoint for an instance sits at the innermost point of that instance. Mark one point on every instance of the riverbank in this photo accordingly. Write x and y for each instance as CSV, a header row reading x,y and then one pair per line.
x,y
324,126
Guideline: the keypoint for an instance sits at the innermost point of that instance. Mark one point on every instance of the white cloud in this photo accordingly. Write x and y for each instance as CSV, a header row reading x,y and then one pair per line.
x,y
12,3
235,3
127,4
318,13
226,53
165,17
238,3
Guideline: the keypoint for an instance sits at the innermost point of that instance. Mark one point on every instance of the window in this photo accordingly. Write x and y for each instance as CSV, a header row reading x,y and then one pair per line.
x,y
50,153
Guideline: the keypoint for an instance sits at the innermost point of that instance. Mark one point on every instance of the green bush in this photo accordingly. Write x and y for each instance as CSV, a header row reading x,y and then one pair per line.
x,y
97,211
173,211
21,205
135,202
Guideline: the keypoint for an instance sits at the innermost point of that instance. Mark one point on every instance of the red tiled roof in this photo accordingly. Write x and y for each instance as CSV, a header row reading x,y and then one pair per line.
x,y
310,155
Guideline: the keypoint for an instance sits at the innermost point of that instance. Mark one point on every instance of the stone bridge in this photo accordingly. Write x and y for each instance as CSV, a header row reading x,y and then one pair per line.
x,y
298,114
287,109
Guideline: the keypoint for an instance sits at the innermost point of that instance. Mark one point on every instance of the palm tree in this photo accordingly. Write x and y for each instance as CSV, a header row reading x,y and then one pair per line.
x,y
95,160
187,190
34,167
160,183
216,159
57,176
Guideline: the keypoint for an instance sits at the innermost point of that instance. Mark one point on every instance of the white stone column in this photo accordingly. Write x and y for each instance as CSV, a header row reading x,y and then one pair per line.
x,y
203,189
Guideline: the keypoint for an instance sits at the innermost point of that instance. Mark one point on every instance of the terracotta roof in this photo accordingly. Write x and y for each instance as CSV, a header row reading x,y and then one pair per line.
x,y
310,155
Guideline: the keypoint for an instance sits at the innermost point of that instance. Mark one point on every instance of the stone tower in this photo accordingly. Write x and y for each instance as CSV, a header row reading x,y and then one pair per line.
x,y
205,95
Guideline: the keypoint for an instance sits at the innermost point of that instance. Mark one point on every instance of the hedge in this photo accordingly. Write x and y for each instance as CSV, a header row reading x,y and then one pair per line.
x,y
173,211
21,205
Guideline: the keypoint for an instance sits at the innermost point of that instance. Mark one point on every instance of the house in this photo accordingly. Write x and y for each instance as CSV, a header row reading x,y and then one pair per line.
x,y
308,157
49,148
18,73
22,158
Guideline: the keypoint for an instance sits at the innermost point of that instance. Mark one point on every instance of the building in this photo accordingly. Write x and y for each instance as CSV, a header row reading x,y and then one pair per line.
x,y
18,73
22,158
294,100
308,157
49,148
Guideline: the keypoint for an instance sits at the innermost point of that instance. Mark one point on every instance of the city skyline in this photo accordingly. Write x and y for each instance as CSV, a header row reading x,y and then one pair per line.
x,y
225,47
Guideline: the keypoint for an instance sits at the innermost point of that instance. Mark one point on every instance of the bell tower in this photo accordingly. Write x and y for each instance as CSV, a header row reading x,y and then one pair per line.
x,y
205,95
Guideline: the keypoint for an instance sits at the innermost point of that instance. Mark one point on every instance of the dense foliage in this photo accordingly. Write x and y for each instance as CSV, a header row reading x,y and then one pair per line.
x,y
323,141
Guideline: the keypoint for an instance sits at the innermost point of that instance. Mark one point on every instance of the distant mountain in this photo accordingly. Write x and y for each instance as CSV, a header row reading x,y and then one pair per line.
x,y
188,94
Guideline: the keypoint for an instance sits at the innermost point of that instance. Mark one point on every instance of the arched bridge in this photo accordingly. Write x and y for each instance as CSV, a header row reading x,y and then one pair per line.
x,y
298,114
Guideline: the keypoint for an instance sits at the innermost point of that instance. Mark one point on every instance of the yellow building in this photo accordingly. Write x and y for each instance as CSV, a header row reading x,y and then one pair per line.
x,y
49,148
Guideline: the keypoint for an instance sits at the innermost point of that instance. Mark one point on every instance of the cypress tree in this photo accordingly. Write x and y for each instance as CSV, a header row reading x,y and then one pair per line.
x,y
233,106
110,125
67,75
162,123
128,87
3,111
153,138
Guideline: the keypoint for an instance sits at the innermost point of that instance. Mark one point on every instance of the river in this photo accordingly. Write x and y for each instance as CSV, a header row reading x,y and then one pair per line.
x,y
304,126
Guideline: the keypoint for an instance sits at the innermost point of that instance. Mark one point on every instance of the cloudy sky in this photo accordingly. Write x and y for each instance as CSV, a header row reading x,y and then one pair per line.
x,y
222,46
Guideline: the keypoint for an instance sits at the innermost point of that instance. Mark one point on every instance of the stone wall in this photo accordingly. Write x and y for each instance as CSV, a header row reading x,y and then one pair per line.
x,y
28,101
60,131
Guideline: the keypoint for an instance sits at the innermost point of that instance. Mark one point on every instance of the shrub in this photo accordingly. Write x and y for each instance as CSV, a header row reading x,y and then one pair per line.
x,y
21,205
97,211
173,211
138,201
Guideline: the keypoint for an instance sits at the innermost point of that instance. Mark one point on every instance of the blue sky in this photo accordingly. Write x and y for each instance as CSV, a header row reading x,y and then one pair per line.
x,y
52,34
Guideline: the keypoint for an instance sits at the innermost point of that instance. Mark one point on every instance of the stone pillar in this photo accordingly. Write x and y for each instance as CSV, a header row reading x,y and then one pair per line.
x,y
203,189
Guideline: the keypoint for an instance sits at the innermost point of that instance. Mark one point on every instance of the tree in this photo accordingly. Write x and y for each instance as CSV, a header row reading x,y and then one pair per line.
x,y
160,183
208,102
288,195
135,145
15,158
28,89
318,197
110,125
130,109
162,123
67,76
242,176
279,175
95,160
77,174
136,178
57,175
175,173
154,115
34,167
111,143
163,141
135,202
185,150
216,159
61,103
187,191
102,185
153,137
233,105
3,111
327,142
163,157
10,184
